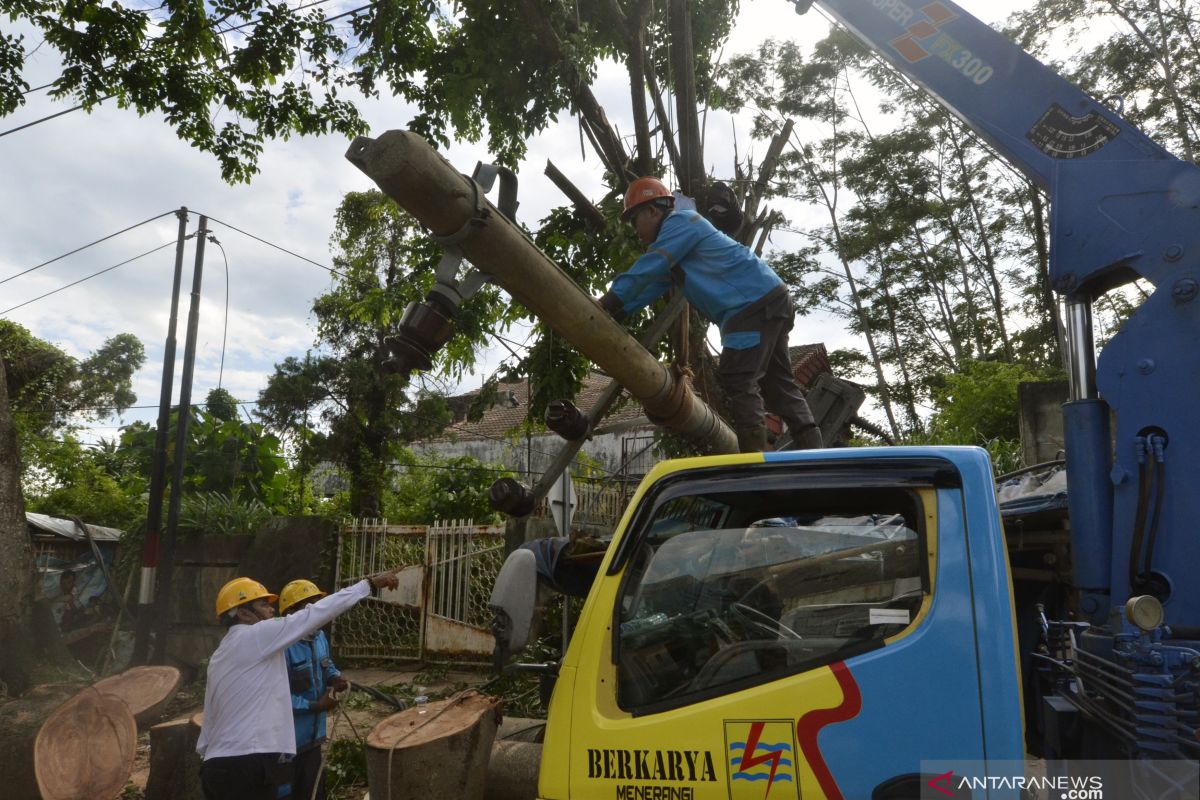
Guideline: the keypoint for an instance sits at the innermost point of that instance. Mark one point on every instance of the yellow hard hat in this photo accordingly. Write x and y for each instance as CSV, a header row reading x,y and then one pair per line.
x,y
296,591
240,591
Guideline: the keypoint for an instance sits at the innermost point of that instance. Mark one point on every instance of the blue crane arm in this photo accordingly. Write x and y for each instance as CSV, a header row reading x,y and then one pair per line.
x,y
1112,188
1121,207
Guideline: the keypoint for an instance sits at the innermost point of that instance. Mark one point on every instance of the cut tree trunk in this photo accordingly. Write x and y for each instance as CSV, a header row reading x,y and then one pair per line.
x,y
20,720
174,762
408,753
85,748
146,690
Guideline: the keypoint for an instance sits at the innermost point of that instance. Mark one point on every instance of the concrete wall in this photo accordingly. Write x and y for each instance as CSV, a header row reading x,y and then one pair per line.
x,y
284,548
1040,405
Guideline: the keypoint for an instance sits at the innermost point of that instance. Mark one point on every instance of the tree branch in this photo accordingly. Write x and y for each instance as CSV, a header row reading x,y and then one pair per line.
x,y
591,215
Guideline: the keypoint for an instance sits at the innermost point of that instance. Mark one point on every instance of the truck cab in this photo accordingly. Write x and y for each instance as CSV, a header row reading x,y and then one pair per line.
x,y
827,624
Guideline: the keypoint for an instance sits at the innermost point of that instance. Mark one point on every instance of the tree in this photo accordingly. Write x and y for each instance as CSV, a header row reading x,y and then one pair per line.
x,y
929,243
16,559
274,70
979,402
48,388
364,412
1150,64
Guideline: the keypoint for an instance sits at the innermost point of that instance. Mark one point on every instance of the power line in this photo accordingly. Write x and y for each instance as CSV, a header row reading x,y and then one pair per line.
x,y
86,278
86,246
281,248
50,117
225,328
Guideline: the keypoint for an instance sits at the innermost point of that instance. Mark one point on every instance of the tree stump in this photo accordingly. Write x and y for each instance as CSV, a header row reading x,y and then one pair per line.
x,y
438,751
85,748
174,762
20,720
146,690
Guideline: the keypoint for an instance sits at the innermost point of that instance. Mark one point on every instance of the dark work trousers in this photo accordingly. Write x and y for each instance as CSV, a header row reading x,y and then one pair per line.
x,y
307,773
250,777
761,377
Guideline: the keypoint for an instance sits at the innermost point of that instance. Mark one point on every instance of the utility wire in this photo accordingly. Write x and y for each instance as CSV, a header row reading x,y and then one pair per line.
x,y
225,327
86,278
50,117
281,248
86,246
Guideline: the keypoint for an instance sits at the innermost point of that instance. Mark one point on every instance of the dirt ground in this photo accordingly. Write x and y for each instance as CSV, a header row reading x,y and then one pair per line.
x,y
361,712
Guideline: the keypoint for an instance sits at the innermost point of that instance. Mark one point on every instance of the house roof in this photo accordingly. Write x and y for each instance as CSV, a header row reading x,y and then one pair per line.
x,y
808,361
512,405
67,528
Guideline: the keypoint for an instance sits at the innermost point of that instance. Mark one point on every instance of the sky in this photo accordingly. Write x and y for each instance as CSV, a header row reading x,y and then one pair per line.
x,y
72,180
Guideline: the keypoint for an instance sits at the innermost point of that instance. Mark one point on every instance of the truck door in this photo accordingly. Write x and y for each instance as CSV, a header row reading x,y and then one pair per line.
x,y
796,628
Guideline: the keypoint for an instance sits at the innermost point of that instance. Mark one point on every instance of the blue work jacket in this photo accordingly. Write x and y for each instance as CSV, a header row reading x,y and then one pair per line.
x,y
309,671
721,277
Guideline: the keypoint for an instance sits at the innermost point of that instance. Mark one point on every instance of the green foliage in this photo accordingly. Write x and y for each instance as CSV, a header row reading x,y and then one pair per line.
x,y
46,387
217,514
221,404
50,393
427,489
345,765
340,405
979,403
233,74
231,457
66,479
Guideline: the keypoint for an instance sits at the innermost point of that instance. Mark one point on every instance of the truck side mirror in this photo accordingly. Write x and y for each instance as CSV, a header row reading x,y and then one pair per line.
x,y
512,601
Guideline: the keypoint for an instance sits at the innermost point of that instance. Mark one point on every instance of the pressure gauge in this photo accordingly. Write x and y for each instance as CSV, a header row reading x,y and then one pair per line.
x,y
1144,611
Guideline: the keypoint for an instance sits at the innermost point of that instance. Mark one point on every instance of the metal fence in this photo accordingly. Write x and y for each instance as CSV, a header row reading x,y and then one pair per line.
x,y
439,612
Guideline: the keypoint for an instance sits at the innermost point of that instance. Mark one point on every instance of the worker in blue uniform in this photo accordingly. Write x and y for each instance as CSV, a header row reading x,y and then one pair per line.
x,y
734,288
314,682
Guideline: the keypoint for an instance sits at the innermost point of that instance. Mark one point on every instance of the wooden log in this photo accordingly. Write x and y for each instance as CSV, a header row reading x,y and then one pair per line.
x,y
20,720
512,772
174,762
408,753
85,748
146,690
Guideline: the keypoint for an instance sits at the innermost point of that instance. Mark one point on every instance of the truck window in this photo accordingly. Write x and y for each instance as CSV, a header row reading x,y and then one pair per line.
x,y
729,590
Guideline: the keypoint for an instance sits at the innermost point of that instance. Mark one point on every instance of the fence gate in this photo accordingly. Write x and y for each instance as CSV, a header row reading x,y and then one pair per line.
x,y
439,611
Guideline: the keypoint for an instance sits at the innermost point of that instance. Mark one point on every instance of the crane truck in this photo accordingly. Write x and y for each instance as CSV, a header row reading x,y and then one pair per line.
x,y
858,623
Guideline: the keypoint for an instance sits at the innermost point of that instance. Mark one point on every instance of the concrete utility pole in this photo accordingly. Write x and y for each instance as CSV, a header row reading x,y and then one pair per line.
x,y
453,207
145,619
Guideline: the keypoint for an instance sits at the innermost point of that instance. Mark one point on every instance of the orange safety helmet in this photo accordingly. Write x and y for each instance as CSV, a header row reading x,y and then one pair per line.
x,y
644,190
240,591
296,591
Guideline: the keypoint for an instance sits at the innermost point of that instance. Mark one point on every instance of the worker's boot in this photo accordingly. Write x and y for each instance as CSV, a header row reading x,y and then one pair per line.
x,y
807,438
752,439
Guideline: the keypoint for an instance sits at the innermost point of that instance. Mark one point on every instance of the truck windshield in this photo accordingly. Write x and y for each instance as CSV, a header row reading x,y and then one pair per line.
x,y
733,589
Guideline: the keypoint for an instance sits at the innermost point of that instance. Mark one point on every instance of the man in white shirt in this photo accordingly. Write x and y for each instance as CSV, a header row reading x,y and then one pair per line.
x,y
248,738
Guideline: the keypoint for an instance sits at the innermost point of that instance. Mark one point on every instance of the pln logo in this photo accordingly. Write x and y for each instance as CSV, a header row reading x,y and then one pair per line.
x,y
908,45
762,761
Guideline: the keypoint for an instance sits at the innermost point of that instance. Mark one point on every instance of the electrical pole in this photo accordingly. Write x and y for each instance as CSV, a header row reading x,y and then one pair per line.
x,y
141,641
162,600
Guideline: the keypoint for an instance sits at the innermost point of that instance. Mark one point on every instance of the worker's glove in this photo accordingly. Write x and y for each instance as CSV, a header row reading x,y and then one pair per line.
x,y
338,683
613,305
327,702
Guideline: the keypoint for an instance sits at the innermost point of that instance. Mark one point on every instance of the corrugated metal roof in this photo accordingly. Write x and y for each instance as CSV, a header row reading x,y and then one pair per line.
x,y
67,528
